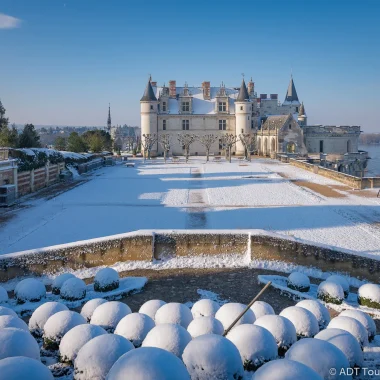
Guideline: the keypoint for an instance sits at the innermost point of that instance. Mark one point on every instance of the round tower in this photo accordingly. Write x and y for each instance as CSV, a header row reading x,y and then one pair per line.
x,y
302,118
149,112
243,116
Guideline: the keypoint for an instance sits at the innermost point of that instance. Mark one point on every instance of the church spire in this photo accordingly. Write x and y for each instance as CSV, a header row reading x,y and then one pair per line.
x,y
109,118
291,94
243,93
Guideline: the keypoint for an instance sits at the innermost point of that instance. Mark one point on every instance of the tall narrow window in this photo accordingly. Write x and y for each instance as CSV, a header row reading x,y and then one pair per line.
x,y
164,106
185,106
290,126
185,125
222,125
151,107
164,125
222,106
321,146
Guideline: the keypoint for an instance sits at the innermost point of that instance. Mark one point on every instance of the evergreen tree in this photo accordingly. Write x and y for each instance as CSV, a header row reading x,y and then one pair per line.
x,y
29,137
98,140
60,143
75,143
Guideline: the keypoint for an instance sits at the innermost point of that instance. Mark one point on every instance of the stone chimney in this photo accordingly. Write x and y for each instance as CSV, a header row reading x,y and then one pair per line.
x,y
251,87
154,84
206,90
172,88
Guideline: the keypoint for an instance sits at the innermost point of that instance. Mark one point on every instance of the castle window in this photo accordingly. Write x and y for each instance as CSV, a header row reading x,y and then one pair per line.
x,y
151,107
222,106
164,106
164,125
222,125
241,108
185,125
290,126
220,144
185,106
296,109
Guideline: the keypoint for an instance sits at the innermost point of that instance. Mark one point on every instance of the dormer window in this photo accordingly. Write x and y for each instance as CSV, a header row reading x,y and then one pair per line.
x,y
222,106
164,106
185,106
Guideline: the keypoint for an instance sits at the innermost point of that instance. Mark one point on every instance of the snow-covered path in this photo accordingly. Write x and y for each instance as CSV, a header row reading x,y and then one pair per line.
x,y
197,195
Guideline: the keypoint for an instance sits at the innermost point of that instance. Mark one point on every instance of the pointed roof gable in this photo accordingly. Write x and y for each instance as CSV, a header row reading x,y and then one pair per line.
x,y
243,93
302,110
291,95
148,93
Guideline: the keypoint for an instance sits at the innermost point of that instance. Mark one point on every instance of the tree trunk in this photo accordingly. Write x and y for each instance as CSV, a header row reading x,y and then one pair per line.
x,y
229,153
165,155
207,154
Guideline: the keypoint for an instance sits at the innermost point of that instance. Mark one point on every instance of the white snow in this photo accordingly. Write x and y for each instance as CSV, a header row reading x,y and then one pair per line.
x,y
10,321
18,368
90,306
230,311
299,281
106,279
321,356
109,314
168,336
330,290
261,308
211,357
3,295
364,319
320,311
205,325
7,311
95,359
255,344
135,327
174,312
58,282
205,308
303,320
76,338
346,342
73,289
30,289
281,328
341,281
148,363
370,291
150,307
17,342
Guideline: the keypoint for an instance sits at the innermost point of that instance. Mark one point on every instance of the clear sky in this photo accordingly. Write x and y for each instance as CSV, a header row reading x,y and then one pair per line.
x,y
63,61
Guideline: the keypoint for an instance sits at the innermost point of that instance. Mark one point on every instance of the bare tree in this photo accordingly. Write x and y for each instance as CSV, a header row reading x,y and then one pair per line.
x,y
186,140
229,140
164,141
130,141
207,141
249,142
147,143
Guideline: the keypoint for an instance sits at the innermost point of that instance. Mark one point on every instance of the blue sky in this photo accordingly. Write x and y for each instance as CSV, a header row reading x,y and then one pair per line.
x,y
63,61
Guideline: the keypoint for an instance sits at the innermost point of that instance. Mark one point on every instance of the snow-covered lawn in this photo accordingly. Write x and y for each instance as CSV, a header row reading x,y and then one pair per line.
x,y
196,195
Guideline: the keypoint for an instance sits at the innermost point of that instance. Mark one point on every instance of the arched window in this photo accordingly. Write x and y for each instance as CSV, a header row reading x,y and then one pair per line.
x,y
291,147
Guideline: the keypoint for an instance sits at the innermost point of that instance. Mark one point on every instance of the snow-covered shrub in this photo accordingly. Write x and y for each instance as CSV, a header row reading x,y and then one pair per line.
x,y
109,314
135,327
58,282
10,321
30,290
154,363
351,325
174,312
320,311
281,328
303,320
168,336
346,343
3,295
364,319
7,311
90,306
284,369
321,356
95,359
341,281
298,281
58,325
75,339
211,356
42,314
205,325
261,308
330,292
17,342
205,308
106,279
18,368
369,295
230,311
73,289
255,344
150,308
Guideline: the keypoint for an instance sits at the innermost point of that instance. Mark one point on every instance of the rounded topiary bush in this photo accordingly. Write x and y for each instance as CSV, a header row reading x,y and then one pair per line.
x,y
17,342
369,295
351,325
298,281
58,282
174,312
42,314
135,327
341,281
284,369
18,368
7,311
11,321
73,289
318,310
30,290
58,325
154,363
281,329
75,339
213,357
205,308
150,307
170,337
205,325
364,319
330,292
106,279
321,356
230,311
346,342
109,314
90,306
3,295
303,320
261,308
255,344
95,359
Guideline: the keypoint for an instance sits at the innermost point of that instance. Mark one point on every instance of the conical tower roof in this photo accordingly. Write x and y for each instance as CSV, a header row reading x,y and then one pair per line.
x,y
302,110
291,94
148,93
243,93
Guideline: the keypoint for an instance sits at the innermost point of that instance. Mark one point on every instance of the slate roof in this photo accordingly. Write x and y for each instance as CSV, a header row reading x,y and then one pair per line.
x,y
302,110
275,122
291,94
243,93
148,94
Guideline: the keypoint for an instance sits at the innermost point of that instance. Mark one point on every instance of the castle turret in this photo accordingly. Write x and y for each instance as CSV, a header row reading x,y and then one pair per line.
x,y
302,118
243,114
